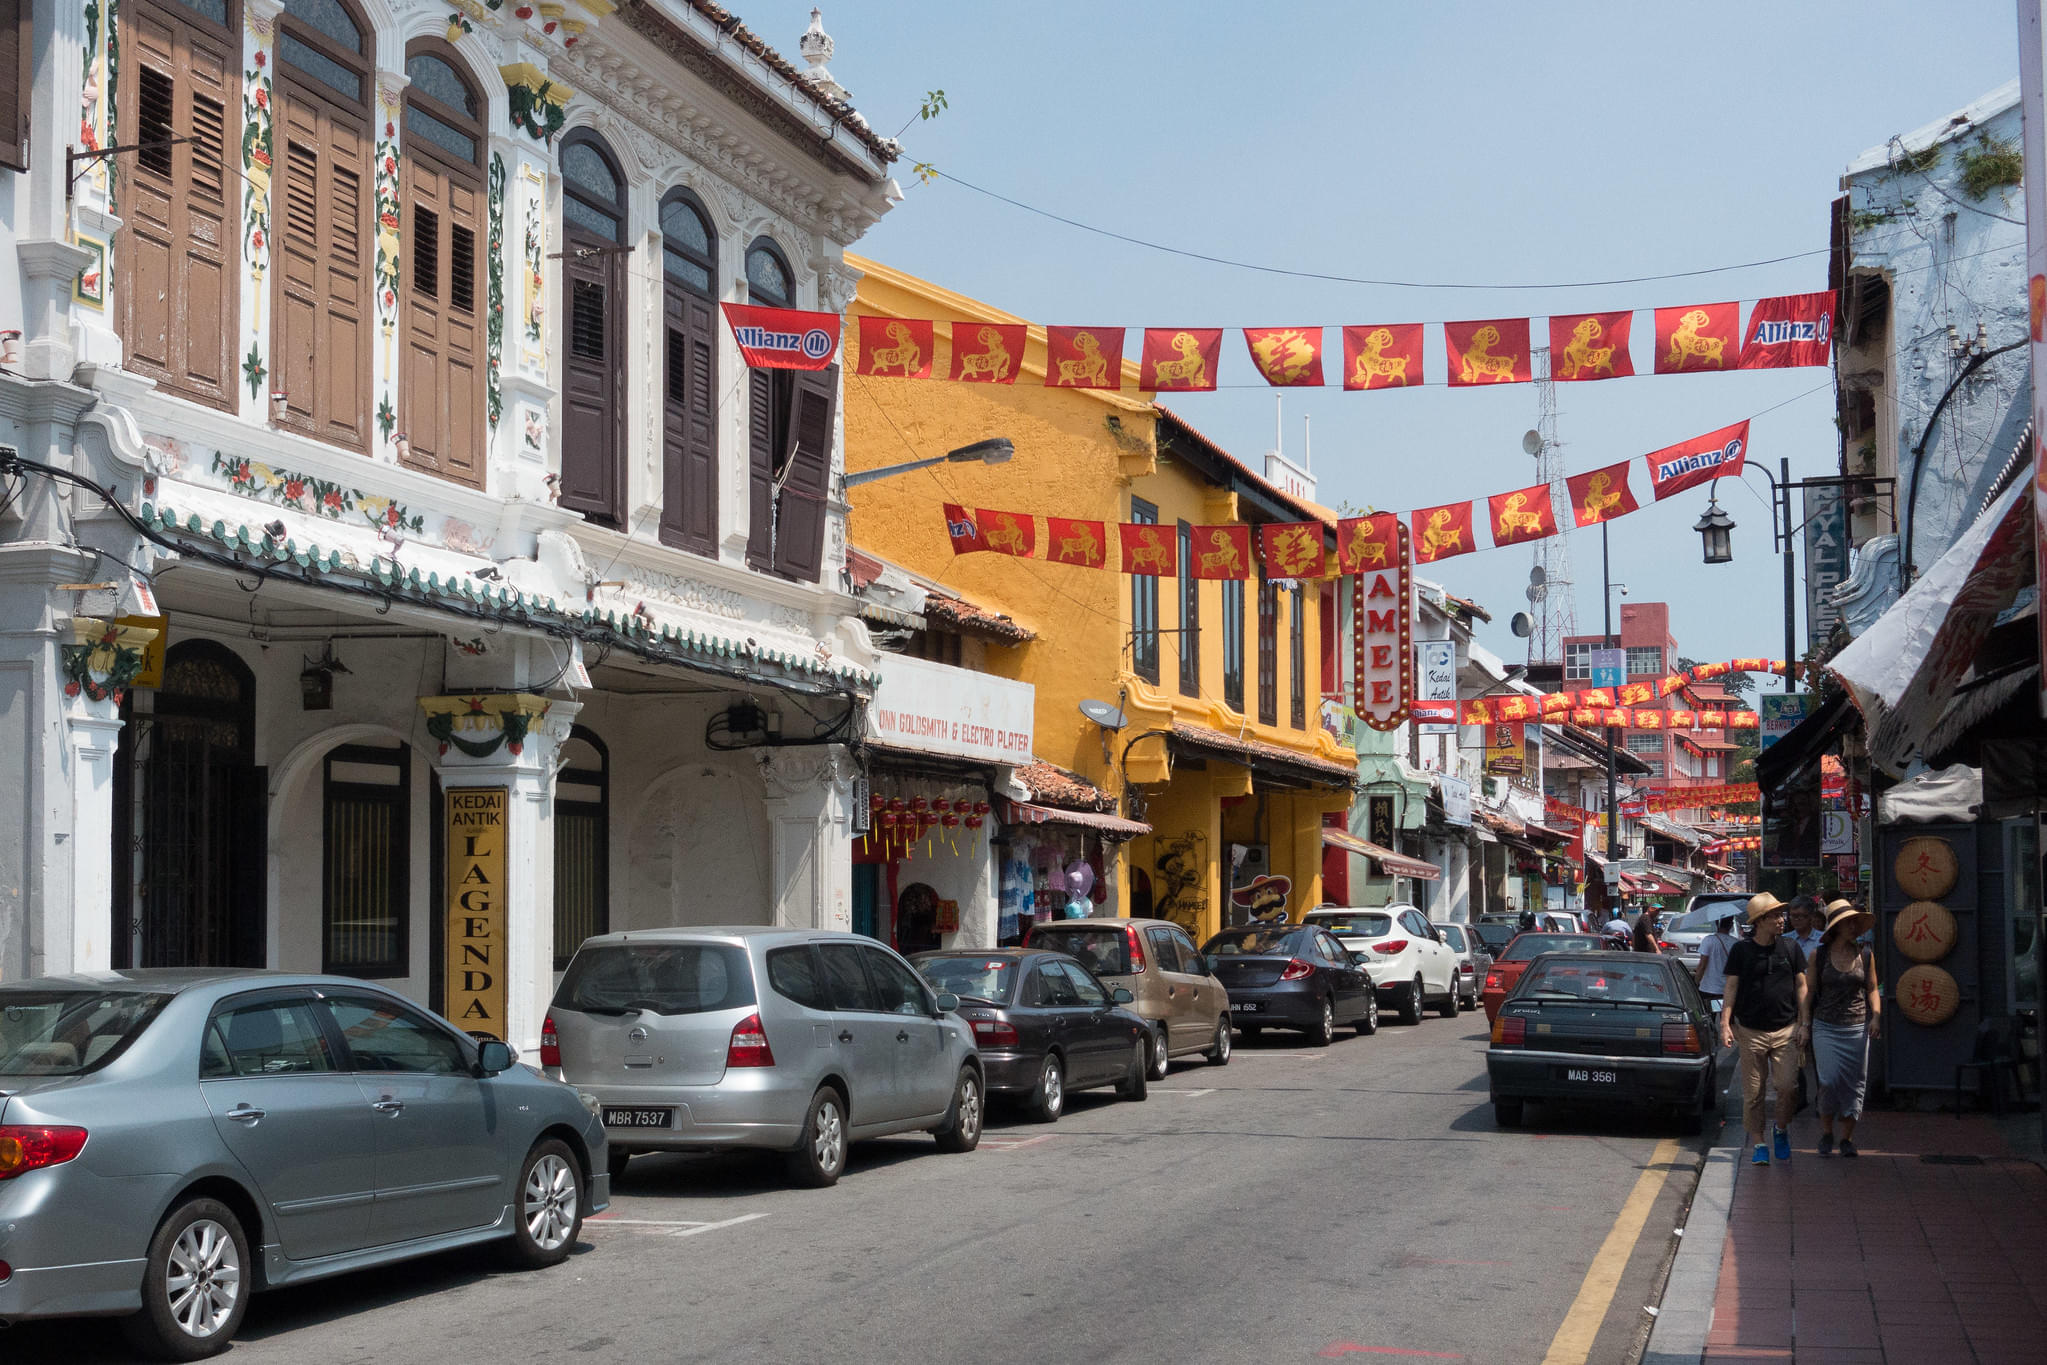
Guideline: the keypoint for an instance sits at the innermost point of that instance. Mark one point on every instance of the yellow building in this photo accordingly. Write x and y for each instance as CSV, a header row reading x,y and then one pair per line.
x,y
1223,753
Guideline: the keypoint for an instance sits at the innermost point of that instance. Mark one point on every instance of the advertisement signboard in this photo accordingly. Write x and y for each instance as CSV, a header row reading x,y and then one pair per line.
x,y
1435,679
1504,748
1791,822
1609,667
473,986
1456,801
940,709
1826,561
1780,716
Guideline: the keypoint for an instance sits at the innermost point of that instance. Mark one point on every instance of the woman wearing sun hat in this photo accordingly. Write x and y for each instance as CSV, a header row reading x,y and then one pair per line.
x,y
1847,1005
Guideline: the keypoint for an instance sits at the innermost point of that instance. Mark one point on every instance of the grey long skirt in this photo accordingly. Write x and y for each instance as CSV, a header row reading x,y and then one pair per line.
x,y
1840,1054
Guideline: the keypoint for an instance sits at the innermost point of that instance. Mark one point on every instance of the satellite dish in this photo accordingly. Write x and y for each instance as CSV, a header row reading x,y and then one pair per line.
x,y
1538,576
1104,715
1521,625
1535,592
1531,443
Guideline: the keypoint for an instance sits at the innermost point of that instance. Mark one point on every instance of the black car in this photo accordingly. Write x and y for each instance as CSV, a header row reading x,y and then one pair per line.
x,y
1292,976
1045,1024
1618,1030
1495,934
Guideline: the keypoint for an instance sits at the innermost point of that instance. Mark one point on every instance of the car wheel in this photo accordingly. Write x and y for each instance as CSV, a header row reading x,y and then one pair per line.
x,y
1219,1055
550,1208
1049,1098
614,1162
1507,1113
1448,1009
819,1157
1323,1031
962,1130
1160,1063
1135,1084
1411,1006
194,1290
1368,1022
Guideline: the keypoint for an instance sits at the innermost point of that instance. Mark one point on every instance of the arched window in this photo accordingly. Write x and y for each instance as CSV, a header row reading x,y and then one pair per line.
x,y
790,427
179,305
689,390
440,387
593,362
582,833
324,255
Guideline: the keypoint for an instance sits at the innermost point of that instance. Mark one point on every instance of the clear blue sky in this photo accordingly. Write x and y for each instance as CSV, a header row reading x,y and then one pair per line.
x,y
1482,143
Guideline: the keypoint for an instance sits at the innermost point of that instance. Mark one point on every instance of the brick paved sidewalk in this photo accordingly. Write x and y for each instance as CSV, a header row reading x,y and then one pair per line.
x,y
1925,1250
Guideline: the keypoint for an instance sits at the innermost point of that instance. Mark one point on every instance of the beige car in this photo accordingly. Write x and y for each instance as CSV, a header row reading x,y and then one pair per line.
x,y
1174,991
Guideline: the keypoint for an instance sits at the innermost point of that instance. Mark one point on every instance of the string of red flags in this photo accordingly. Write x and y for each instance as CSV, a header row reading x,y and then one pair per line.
x,y
1570,704
1692,798
1788,331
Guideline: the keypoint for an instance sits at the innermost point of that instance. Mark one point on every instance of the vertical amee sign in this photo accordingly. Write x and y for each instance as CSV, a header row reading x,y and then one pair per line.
x,y
2033,110
1384,602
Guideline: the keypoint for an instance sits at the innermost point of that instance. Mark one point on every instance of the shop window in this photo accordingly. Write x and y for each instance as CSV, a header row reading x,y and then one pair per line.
x,y
1233,643
323,247
364,910
582,835
593,266
689,391
1297,659
1190,617
1268,653
1144,606
789,434
440,391
179,306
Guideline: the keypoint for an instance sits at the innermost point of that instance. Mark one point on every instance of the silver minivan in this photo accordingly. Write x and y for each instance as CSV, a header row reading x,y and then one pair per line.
x,y
793,1040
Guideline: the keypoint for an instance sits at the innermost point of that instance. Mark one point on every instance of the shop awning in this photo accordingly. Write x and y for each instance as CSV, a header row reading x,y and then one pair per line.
x,y
1199,741
1024,813
1393,864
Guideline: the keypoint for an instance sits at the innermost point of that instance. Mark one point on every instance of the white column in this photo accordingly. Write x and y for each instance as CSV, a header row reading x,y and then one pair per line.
x,y
92,729
810,844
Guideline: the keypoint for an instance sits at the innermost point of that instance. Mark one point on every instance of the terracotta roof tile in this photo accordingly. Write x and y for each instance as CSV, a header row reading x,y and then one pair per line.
x,y
1254,752
1055,786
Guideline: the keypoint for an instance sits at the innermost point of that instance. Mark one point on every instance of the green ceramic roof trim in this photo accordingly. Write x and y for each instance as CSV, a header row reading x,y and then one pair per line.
x,y
317,561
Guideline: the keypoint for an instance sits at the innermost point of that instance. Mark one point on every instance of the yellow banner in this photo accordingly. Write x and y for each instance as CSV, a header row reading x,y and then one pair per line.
x,y
474,978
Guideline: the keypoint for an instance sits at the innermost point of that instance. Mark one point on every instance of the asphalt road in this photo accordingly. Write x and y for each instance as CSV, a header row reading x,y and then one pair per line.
x,y
1298,1204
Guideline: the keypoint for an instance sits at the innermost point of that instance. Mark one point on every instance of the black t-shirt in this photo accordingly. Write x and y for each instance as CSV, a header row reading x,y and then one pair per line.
x,y
1767,998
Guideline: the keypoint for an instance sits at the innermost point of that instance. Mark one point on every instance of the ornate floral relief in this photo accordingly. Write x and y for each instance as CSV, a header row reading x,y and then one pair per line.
x,y
311,494
92,100
257,148
533,197
535,100
387,251
494,323
110,86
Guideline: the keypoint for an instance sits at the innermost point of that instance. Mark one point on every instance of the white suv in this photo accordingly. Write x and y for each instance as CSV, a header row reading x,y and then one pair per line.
x,y
1405,956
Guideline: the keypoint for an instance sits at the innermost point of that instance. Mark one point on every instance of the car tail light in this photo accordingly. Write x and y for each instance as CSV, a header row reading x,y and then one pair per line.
x,y
1391,946
550,1043
25,1149
1510,1030
1681,1038
1136,949
995,1033
749,1045
1494,981
1296,970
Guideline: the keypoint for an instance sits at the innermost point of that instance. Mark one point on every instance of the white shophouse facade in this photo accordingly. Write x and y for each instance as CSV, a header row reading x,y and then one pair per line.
x,y
392,335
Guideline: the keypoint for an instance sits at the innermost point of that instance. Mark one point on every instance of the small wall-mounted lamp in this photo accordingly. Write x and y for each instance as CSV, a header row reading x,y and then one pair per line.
x,y
316,681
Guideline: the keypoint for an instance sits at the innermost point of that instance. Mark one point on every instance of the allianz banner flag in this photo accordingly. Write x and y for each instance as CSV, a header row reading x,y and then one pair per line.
x,y
783,338
1716,455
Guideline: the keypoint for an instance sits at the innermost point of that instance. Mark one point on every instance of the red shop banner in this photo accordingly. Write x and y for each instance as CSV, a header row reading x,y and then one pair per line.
x,y
783,338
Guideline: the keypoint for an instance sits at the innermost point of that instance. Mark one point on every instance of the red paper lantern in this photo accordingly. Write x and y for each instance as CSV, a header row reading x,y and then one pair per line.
x,y
975,822
918,804
888,819
895,803
980,808
876,801
949,820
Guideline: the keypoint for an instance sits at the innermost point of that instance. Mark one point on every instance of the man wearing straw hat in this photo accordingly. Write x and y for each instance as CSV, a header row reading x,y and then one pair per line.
x,y
1847,1003
1765,1017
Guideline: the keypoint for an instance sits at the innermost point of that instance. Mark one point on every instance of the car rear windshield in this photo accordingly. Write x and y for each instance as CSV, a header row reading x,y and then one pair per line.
x,y
662,978
1355,925
1256,941
983,978
1106,950
1534,945
1493,936
1642,981
70,1032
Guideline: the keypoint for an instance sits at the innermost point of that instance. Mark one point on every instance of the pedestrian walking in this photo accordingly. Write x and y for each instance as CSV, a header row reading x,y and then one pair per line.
x,y
1710,971
1764,1017
1846,1010
1647,939
1806,917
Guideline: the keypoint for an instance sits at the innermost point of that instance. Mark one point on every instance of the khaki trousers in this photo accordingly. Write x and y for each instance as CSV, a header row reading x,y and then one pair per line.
x,y
1767,1059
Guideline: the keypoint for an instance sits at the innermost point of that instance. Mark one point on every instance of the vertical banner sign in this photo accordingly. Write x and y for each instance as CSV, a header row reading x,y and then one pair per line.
x,y
1826,561
1791,821
1385,647
1504,750
474,979
2033,112
1435,674
1379,826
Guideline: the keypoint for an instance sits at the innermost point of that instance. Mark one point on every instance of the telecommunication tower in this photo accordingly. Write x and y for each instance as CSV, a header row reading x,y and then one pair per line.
x,y
1552,600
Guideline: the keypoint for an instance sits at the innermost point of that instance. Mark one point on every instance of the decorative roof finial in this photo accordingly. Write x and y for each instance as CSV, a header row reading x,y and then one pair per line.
x,y
817,48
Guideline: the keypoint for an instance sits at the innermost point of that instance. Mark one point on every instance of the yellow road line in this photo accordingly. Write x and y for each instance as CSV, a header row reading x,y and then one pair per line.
x,y
1572,1344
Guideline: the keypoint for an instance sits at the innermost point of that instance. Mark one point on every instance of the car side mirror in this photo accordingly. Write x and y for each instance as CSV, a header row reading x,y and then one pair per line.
x,y
495,1056
1206,963
947,1002
1121,995
1358,959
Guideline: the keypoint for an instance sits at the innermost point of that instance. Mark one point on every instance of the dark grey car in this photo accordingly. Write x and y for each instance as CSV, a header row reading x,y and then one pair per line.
x,y
171,1141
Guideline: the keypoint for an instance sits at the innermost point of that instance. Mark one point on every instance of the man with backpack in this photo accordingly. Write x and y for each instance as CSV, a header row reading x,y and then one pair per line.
x,y
1765,1016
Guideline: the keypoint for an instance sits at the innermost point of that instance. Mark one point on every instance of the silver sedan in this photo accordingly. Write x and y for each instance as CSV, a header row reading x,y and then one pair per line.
x,y
171,1141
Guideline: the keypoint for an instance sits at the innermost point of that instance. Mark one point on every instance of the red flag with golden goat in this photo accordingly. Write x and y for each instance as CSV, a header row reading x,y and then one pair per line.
x,y
1524,514
1076,542
1440,532
1382,356
1007,533
1219,551
1292,549
1601,495
898,347
1084,357
1491,351
1179,359
1368,542
1590,346
1147,550
988,352
1287,357
1704,336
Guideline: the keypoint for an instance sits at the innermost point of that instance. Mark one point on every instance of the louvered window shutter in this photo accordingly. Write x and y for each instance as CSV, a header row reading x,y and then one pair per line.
x,y
14,83
806,489
760,467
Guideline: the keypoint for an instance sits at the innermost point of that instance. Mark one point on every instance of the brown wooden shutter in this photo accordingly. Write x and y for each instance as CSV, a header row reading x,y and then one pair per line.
x,y
806,484
689,421
1268,654
178,308
323,252
440,389
760,467
14,83
593,367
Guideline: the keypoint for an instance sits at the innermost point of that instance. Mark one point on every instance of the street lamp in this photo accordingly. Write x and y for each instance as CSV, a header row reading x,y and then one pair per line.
x,y
1713,529
994,450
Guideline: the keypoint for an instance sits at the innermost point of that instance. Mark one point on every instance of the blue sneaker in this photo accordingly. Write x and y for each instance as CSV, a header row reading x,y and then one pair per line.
x,y
1762,1156
1783,1141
